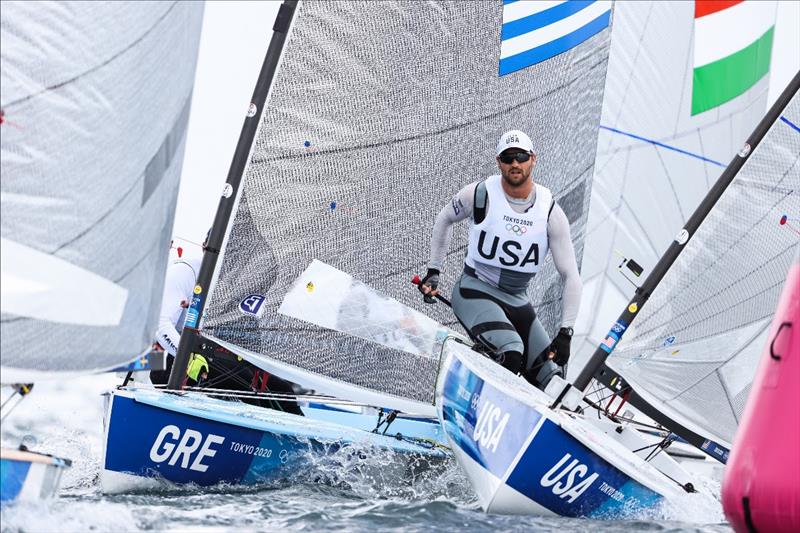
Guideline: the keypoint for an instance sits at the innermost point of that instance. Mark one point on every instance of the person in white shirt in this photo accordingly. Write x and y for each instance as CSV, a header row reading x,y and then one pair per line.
x,y
215,366
515,222
179,283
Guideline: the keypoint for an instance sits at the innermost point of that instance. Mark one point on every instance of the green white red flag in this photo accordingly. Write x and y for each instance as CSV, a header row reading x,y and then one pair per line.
x,y
732,49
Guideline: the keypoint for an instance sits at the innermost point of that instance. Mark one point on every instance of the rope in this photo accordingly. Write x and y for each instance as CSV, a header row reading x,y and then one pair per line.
x,y
328,400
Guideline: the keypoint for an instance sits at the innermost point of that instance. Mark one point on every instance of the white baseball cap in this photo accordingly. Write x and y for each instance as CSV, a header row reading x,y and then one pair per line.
x,y
514,139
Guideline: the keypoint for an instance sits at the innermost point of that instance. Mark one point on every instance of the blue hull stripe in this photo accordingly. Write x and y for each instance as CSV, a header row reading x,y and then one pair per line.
x,y
134,428
550,446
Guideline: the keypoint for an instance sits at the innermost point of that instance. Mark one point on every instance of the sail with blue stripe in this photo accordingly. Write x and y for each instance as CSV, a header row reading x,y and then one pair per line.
x,y
536,31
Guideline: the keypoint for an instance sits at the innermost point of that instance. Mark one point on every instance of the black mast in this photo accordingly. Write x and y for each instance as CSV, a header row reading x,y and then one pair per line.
x,y
596,367
190,334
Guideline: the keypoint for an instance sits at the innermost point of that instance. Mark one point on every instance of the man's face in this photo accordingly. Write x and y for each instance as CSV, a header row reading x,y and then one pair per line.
x,y
514,172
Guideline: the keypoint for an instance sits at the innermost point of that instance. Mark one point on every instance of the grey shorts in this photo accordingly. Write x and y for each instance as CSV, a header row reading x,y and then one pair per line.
x,y
502,321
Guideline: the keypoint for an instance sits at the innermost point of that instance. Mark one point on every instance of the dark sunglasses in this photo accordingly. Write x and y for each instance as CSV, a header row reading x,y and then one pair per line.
x,y
519,157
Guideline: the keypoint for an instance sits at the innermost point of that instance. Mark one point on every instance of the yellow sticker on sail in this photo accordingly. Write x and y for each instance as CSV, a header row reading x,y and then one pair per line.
x,y
310,286
198,289
633,307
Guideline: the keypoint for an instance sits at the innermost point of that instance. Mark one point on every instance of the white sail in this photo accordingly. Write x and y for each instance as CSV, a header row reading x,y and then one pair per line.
x,y
693,348
655,158
38,285
95,101
378,114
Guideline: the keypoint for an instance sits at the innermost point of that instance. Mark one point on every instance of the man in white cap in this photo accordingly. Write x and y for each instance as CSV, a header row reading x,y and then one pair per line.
x,y
514,224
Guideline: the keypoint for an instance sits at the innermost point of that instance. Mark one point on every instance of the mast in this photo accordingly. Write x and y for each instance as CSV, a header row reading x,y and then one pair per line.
x,y
190,334
595,367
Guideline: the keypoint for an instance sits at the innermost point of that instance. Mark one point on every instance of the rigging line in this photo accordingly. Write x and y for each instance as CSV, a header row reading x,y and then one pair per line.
x,y
10,409
703,152
791,124
256,159
13,394
671,186
662,145
295,396
685,133
96,67
14,406
617,419
187,240
686,69
267,396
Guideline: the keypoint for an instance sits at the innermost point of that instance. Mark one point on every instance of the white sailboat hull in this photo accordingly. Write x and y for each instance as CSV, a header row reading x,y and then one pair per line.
x,y
523,458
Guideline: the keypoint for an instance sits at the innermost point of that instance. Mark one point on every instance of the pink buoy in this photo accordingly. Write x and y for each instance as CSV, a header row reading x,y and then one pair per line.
x,y
761,488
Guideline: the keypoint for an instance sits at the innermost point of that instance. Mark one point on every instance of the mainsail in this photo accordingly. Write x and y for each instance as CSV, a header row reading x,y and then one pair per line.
x,y
94,116
691,351
695,346
378,114
656,158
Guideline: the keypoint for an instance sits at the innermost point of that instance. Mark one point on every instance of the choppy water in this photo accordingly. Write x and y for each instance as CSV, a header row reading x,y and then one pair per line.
x,y
66,420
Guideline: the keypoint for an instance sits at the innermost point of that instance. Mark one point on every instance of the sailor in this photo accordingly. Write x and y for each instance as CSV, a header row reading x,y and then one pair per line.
x,y
210,364
178,290
514,223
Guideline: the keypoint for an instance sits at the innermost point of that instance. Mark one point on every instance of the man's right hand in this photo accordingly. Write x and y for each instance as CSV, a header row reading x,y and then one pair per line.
x,y
429,286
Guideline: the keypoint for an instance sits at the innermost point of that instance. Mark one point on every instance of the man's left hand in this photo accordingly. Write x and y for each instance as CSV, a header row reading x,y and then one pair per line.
x,y
559,348
429,286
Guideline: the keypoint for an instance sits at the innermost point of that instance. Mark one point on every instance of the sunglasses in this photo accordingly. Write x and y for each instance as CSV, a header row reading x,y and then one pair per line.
x,y
519,157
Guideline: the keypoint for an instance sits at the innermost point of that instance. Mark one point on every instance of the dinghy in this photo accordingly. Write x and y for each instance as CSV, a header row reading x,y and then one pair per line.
x,y
366,117
694,330
93,131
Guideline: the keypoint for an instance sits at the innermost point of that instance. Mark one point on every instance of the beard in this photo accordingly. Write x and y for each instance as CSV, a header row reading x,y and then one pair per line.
x,y
516,177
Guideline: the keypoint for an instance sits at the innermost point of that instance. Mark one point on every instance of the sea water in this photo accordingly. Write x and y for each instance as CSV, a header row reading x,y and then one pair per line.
x,y
65,418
